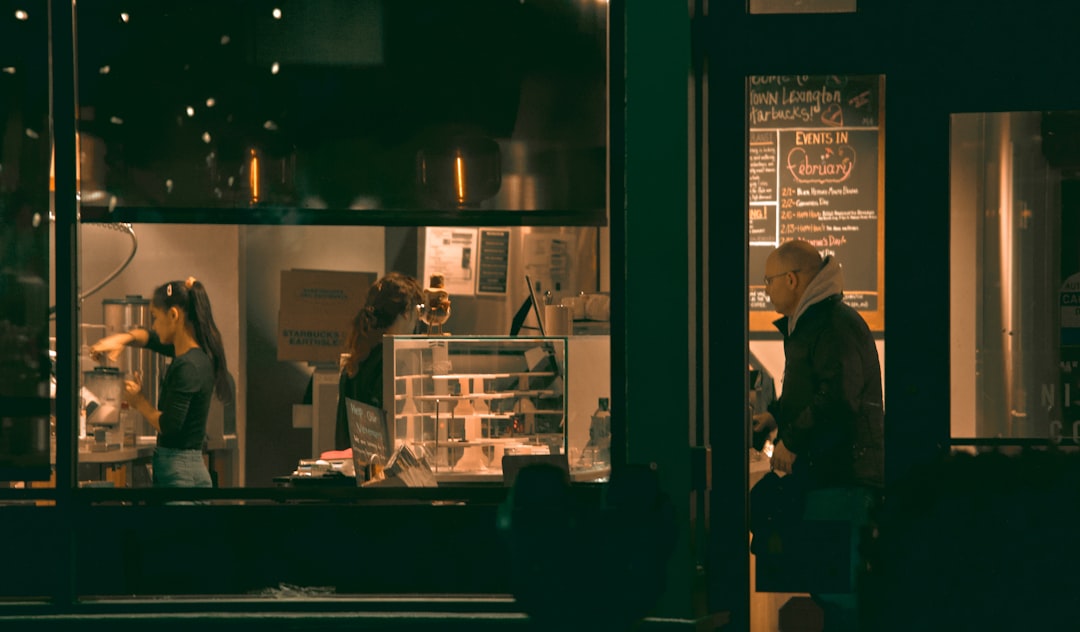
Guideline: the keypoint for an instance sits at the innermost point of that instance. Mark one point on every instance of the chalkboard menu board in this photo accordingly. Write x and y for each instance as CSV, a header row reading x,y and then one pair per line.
x,y
367,433
815,158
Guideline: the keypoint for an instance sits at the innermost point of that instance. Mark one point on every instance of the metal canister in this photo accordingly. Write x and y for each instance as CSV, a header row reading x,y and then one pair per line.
x,y
123,314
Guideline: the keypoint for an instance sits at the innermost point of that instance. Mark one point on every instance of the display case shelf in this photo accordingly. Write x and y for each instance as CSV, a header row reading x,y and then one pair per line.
x,y
288,215
471,433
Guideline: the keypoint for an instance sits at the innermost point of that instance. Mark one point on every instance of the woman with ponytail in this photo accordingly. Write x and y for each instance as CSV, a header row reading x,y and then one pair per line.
x,y
184,330
391,308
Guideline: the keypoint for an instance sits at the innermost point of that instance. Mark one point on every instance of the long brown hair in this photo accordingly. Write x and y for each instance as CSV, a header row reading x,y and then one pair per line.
x,y
388,298
190,297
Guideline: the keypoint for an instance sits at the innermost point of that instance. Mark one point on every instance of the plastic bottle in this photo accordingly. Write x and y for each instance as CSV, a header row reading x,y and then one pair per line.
x,y
127,425
600,433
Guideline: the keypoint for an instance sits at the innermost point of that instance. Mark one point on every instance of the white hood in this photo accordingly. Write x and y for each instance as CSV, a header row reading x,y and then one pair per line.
x,y
829,281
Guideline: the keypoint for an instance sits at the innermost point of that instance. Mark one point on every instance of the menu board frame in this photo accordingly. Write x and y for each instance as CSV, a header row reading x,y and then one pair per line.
x,y
815,144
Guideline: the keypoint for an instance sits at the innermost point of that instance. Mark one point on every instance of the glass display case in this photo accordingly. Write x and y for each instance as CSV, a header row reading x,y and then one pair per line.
x,y
463,403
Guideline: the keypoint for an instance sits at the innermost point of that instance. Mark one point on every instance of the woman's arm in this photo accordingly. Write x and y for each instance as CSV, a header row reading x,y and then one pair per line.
x,y
134,397
111,346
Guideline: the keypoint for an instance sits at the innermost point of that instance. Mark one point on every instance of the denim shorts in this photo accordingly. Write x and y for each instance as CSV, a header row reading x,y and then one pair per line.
x,y
180,468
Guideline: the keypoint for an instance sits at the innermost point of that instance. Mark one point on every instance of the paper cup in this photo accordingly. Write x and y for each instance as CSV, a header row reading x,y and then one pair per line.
x,y
557,320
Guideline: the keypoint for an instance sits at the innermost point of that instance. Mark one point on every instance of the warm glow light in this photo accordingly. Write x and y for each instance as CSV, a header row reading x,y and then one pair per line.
x,y
254,177
211,102
116,120
206,137
9,70
270,125
125,17
190,111
274,68
225,40
277,13
459,164
104,69
21,15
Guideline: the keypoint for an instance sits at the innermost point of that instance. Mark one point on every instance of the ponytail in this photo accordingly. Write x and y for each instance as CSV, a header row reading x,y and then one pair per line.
x,y
191,297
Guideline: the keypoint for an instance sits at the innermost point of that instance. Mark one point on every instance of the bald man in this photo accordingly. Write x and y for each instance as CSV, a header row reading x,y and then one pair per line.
x,y
829,417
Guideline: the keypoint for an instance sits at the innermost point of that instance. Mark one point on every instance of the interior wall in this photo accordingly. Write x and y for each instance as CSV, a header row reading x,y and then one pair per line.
x,y
168,252
272,446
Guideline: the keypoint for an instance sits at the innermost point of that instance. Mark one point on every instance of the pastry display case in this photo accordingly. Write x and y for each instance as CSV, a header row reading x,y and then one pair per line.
x,y
462,403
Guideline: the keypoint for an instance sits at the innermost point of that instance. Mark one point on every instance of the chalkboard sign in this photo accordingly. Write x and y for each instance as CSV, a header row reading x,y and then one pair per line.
x,y
367,433
815,167
493,261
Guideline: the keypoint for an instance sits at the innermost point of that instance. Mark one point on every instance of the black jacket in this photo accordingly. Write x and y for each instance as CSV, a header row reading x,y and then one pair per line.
x,y
366,386
830,410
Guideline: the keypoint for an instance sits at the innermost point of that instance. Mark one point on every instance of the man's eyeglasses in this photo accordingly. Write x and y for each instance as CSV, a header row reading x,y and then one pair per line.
x,y
768,279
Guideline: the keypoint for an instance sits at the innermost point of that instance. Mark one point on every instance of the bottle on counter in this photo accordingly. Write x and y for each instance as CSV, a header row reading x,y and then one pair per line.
x,y
597,451
127,425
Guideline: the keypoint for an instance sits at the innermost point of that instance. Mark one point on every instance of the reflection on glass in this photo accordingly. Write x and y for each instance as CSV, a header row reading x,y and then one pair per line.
x,y
337,98
25,143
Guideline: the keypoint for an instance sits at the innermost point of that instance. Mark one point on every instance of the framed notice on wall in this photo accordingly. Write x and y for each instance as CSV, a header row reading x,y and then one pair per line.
x,y
816,168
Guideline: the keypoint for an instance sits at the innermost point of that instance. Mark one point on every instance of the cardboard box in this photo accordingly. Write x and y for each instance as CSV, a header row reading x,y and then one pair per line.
x,y
316,312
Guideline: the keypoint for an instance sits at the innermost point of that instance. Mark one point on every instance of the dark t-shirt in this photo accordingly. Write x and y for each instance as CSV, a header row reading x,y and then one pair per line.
x,y
366,386
185,396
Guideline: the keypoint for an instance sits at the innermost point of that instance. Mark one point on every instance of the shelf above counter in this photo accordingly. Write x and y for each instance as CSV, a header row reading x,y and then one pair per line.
x,y
294,216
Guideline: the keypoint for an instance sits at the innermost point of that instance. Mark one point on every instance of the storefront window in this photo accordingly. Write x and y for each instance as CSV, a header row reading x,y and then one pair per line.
x,y
1015,324
25,145
227,142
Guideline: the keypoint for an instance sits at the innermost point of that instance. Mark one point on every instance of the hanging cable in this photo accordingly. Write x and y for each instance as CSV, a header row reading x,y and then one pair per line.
x,y
122,227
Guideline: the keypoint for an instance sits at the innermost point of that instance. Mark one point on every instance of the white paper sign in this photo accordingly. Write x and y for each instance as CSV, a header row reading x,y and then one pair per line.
x,y
451,252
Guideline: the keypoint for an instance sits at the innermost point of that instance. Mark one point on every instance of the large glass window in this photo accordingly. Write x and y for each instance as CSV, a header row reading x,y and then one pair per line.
x,y
25,145
1015,324
27,383
238,142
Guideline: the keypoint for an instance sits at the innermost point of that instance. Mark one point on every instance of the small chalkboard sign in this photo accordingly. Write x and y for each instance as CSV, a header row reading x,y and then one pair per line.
x,y
367,433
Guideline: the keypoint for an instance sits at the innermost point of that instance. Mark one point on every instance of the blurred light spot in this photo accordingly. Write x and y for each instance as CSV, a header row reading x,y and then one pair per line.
x,y
93,196
32,134
36,221
21,15
217,192
277,13
190,111
274,68
225,40
211,102
104,69
112,203
270,125
116,120
206,137
231,180
9,70
210,159
169,185
125,17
